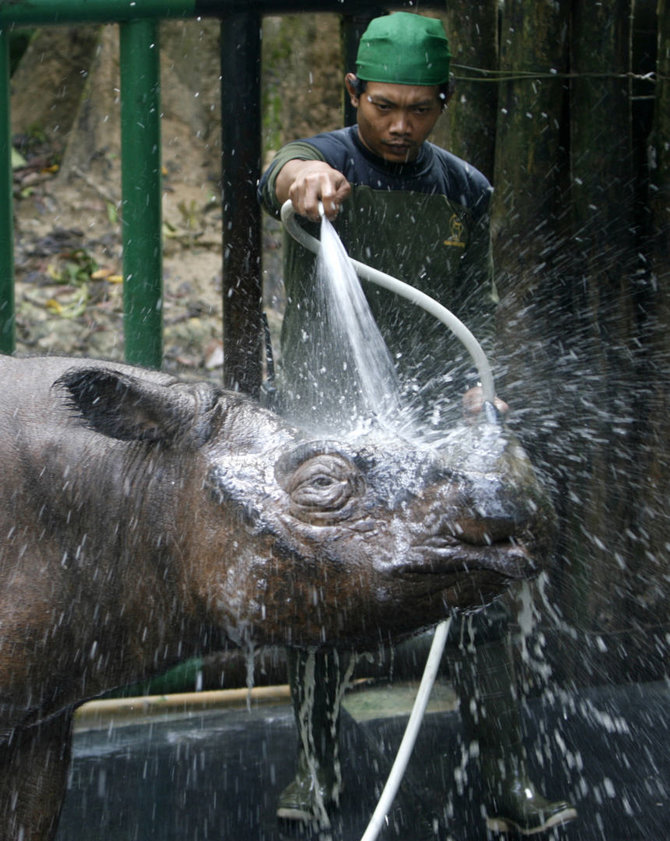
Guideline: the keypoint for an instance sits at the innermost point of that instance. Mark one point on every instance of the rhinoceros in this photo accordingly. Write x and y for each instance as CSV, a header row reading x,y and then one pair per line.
x,y
144,520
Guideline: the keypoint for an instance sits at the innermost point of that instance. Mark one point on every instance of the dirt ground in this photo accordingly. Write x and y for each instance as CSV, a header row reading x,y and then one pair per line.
x,y
69,294
68,254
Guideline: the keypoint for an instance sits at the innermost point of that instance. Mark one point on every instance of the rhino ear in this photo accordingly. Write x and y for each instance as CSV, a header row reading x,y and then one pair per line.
x,y
127,407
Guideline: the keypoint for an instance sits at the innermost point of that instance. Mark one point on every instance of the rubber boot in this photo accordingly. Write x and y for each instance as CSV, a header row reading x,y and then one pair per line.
x,y
483,676
318,680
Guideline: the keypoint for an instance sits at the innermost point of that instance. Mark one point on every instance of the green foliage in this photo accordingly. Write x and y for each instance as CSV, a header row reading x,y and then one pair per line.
x,y
75,268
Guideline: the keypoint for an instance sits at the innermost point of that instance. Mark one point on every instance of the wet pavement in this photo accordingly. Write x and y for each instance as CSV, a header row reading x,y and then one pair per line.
x,y
216,774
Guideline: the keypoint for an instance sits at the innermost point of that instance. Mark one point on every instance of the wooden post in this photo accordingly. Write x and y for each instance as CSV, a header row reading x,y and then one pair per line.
x,y
351,28
472,29
531,201
533,56
241,155
603,183
660,197
647,599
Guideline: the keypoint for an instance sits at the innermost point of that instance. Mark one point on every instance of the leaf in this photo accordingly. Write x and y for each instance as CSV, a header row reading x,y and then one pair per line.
x,y
18,160
112,213
54,306
53,273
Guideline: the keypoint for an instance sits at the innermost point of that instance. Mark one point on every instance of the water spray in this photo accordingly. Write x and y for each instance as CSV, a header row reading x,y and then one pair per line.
x,y
478,356
405,290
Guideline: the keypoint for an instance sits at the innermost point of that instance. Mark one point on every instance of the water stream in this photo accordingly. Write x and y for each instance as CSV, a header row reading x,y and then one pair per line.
x,y
351,337
353,386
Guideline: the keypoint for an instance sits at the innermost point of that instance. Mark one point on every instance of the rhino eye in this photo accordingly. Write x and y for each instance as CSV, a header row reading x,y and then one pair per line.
x,y
324,483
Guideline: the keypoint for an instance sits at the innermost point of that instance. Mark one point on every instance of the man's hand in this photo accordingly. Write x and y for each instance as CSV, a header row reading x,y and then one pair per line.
x,y
473,403
307,183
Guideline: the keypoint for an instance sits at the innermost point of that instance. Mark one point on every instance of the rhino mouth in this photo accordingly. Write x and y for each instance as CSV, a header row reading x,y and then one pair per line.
x,y
446,554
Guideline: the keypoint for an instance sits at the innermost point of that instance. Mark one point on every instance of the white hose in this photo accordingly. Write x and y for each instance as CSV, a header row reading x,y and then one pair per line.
x,y
405,290
411,732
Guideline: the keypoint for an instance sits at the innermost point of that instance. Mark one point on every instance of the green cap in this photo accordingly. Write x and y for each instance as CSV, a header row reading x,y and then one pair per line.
x,y
404,49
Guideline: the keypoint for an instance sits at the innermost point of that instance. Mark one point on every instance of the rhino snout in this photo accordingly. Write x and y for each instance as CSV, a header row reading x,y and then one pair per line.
x,y
488,510
505,561
478,523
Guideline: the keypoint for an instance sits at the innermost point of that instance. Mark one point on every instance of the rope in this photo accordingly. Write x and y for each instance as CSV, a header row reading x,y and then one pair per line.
x,y
522,75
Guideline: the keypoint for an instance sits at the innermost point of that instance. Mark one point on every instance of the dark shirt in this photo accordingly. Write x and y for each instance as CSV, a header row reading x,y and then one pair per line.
x,y
434,171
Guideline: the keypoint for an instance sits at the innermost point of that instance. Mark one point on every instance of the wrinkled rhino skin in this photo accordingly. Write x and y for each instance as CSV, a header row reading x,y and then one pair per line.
x,y
144,520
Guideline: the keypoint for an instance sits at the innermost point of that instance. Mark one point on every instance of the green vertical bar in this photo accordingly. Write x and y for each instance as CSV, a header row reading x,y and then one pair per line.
x,y
7,337
141,191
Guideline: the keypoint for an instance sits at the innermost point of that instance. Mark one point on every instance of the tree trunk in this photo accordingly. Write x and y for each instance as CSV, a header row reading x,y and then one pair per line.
x,y
603,189
647,601
529,151
473,38
660,141
49,82
529,180
530,223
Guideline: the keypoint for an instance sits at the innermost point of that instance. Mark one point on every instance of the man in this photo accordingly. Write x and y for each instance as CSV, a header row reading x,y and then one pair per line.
x,y
416,211
399,204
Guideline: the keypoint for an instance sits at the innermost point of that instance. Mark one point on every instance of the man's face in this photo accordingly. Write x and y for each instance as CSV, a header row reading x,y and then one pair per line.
x,y
394,120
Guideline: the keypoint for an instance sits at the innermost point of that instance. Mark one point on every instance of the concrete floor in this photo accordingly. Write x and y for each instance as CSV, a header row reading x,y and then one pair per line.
x,y
215,774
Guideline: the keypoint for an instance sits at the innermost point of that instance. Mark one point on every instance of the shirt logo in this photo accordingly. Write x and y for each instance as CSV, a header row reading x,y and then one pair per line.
x,y
456,232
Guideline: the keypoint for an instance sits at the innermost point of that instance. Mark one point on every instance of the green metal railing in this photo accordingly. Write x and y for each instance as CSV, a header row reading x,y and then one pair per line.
x,y
241,22
140,167
141,187
141,178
